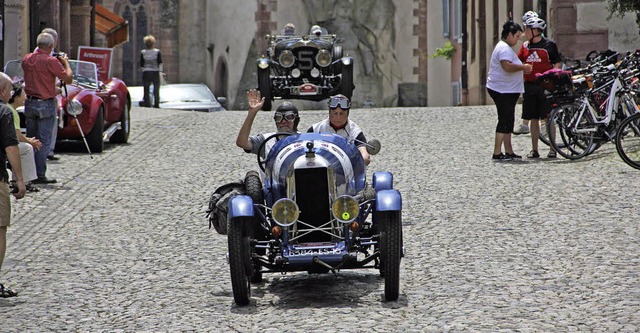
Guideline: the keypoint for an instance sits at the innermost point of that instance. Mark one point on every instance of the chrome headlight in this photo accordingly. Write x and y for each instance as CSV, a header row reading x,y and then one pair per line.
x,y
74,108
346,60
263,63
323,58
345,209
285,212
286,59
315,72
295,73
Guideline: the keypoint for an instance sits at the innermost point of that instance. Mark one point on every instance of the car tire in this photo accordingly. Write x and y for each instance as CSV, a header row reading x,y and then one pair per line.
x,y
94,138
240,259
390,226
264,86
122,135
346,84
253,188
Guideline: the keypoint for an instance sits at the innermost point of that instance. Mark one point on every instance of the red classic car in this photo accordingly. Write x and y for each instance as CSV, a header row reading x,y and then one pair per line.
x,y
97,110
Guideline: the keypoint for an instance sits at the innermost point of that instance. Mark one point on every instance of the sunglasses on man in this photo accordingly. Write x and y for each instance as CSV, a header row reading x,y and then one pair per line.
x,y
289,116
344,103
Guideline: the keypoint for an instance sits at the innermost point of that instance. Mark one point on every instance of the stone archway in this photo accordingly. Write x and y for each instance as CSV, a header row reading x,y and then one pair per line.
x,y
134,11
221,81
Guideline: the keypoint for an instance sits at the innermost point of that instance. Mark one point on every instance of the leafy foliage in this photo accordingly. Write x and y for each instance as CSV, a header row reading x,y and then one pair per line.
x,y
445,51
621,7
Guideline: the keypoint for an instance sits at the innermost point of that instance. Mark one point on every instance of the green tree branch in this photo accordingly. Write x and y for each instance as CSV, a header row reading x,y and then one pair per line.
x,y
620,7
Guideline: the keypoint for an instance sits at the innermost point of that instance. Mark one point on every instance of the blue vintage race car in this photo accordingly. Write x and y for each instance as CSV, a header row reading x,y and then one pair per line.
x,y
312,210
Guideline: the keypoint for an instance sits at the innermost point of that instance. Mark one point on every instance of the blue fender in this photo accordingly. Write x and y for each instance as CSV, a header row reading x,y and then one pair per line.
x,y
382,180
388,200
240,205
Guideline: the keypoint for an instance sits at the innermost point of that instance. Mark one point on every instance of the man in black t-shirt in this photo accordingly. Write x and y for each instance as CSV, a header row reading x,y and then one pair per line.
x,y
9,150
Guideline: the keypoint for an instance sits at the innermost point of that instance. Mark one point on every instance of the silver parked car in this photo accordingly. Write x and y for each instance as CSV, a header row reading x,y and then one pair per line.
x,y
182,96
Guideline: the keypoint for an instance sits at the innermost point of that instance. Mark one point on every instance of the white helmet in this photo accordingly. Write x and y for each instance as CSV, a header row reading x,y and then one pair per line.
x,y
529,15
535,23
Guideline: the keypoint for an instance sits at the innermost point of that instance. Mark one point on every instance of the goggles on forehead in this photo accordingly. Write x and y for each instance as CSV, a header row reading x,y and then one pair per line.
x,y
344,103
289,116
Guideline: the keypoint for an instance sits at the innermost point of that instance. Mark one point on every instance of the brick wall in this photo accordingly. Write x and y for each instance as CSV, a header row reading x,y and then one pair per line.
x,y
420,30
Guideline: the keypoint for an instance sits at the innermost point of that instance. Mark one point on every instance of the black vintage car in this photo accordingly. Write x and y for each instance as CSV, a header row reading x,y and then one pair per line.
x,y
311,67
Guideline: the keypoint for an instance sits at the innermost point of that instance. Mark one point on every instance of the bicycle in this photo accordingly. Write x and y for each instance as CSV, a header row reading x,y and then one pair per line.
x,y
577,128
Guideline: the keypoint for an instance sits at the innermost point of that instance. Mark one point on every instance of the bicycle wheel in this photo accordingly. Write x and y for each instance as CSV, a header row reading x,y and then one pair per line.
x,y
628,141
568,132
544,133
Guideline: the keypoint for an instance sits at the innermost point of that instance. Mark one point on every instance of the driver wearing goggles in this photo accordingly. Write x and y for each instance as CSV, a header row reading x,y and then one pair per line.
x,y
286,119
339,123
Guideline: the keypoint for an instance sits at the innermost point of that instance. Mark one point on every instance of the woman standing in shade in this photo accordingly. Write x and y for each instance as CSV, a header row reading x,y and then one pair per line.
x,y
505,83
151,63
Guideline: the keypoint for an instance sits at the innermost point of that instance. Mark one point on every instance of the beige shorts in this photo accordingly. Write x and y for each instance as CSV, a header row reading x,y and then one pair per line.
x,y
5,204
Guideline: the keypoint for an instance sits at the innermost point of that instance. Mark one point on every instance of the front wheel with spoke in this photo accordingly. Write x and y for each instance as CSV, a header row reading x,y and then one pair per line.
x,y
568,133
628,141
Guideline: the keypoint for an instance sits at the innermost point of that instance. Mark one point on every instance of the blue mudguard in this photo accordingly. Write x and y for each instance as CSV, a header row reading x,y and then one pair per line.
x,y
388,200
382,180
240,205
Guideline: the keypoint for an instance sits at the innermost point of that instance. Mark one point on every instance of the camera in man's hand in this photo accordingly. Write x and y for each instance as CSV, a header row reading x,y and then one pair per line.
x,y
59,55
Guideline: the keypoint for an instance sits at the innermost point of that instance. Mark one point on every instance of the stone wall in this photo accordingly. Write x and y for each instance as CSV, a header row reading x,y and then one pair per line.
x,y
369,33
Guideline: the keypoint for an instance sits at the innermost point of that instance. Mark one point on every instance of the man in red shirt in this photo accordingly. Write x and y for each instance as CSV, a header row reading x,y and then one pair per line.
x,y
542,54
40,73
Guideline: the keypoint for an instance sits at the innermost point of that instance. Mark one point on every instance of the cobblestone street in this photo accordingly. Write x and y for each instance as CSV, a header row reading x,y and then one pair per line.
x,y
121,243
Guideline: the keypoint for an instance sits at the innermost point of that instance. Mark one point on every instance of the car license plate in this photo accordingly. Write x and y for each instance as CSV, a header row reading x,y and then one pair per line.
x,y
308,89
301,251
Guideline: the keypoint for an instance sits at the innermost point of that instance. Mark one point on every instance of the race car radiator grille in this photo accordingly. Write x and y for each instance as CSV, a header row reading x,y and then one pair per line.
x,y
312,197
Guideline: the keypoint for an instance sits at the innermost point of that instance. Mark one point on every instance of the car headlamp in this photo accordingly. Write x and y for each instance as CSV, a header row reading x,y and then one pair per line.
x,y
295,73
345,209
323,58
346,60
286,59
74,108
285,212
263,63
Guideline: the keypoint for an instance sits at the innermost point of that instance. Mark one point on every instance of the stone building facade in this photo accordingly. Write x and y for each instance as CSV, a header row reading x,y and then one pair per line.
x,y
577,26
392,41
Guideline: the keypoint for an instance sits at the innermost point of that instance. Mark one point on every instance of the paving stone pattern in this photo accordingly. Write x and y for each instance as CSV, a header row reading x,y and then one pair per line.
x,y
121,243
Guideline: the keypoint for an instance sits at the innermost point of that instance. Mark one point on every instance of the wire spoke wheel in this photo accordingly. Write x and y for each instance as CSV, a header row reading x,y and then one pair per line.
x,y
544,133
628,141
569,134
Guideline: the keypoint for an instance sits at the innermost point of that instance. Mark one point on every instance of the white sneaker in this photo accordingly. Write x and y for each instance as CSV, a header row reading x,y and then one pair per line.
x,y
523,129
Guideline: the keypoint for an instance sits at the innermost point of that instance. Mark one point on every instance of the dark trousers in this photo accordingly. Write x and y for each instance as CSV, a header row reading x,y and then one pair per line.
x,y
506,105
40,119
148,78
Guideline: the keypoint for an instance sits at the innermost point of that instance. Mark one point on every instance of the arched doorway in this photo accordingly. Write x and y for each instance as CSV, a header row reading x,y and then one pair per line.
x,y
221,78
